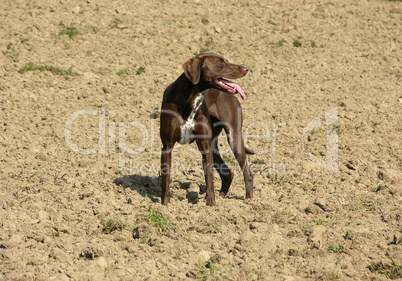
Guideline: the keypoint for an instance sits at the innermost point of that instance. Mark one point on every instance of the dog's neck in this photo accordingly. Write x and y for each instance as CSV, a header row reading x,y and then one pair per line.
x,y
184,95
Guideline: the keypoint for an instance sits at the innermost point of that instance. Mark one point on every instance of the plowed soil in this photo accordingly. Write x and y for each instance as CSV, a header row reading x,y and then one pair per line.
x,y
81,83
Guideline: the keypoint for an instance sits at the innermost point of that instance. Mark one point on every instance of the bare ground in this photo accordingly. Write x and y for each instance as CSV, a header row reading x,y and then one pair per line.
x,y
79,146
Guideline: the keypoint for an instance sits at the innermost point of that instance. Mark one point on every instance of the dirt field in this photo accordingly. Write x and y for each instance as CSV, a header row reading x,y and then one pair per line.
x,y
80,85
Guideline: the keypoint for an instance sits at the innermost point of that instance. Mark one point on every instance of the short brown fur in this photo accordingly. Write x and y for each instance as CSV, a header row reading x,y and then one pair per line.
x,y
219,110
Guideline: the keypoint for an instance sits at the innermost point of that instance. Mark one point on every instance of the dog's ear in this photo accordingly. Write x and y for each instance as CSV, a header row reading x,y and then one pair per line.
x,y
192,69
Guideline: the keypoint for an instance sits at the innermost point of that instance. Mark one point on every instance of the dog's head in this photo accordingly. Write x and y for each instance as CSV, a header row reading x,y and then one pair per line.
x,y
211,69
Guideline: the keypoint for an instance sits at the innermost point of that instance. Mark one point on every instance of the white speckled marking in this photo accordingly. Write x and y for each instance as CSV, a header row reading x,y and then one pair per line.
x,y
187,128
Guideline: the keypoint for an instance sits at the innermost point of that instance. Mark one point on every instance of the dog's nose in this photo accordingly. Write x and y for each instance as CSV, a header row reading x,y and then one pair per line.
x,y
244,69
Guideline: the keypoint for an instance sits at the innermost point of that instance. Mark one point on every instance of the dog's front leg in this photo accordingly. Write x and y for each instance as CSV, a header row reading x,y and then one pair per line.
x,y
166,161
208,164
209,178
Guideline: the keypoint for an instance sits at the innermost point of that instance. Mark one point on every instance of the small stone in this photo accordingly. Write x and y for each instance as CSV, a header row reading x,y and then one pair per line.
x,y
193,187
253,226
175,185
272,21
76,9
43,215
321,203
248,239
203,256
316,237
149,265
102,262
122,26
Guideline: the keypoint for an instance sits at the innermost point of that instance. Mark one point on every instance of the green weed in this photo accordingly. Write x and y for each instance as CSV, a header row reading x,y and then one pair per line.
x,y
378,188
330,276
95,29
26,38
140,70
321,222
54,70
122,71
58,180
297,43
143,239
335,250
20,175
390,270
9,50
383,187
293,216
112,225
229,160
70,31
214,226
250,55
156,218
313,44
118,21
205,270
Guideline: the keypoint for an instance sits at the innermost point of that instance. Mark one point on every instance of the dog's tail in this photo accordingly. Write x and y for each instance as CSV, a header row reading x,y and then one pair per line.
x,y
249,151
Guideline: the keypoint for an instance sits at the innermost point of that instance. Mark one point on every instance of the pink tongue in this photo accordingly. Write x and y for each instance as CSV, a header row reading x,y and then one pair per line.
x,y
237,87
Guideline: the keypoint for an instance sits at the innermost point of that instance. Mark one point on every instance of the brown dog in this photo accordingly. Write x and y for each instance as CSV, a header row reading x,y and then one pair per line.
x,y
197,106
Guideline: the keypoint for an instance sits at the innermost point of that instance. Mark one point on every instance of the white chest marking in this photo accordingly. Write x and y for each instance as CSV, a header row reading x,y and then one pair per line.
x,y
187,128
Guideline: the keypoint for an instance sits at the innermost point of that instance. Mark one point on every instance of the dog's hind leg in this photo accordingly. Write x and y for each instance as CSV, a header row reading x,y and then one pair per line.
x,y
224,171
236,143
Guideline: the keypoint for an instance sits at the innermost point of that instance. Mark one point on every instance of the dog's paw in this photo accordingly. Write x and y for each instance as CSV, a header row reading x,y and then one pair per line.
x,y
249,151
